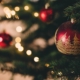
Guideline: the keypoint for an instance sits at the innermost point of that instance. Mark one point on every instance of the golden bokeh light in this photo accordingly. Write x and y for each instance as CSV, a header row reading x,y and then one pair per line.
x,y
17,8
47,65
20,48
17,45
36,14
19,29
28,52
18,39
13,12
36,59
26,8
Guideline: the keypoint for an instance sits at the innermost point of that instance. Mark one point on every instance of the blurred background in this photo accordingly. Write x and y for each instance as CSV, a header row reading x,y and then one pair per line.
x,y
27,40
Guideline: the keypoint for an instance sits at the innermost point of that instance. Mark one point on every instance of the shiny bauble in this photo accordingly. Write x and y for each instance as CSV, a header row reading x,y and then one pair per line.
x,y
46,15
5,40
67,38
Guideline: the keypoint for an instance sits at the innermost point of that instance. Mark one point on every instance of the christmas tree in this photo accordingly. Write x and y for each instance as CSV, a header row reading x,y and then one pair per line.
x,y
28,39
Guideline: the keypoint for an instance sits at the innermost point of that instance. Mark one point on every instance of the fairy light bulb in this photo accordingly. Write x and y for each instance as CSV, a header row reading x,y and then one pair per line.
x,y
26,8
16,16
20,48
36,59
8,15
17,45
6,10
28,52
19,29
13,12
47,65
59,73
36,14
18,39
16,8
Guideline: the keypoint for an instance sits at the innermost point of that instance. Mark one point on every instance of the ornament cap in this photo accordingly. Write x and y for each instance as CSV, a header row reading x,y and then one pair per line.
x,y
47,5
73,20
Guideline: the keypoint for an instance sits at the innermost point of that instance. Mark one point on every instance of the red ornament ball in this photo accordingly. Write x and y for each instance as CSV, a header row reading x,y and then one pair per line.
x,y
67,38
46,15
5,40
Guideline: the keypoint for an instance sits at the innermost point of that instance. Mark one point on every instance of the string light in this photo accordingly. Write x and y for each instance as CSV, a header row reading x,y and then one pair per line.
x,y
52,72
13,12
8,15
36,59
18,39
16,16
36,14
59,73
26,7
19,29
28,52
47,65
20,48
6,9
7,12
17,8
17,45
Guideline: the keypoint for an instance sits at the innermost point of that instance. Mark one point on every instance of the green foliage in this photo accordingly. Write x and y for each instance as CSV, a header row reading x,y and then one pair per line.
x,y
67,64
73,11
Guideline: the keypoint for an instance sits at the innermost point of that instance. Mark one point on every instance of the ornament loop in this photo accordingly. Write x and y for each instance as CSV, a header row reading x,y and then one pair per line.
x,y
47,5
73,20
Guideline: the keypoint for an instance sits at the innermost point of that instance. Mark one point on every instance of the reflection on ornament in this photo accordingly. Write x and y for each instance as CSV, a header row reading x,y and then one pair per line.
x,y
1,39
